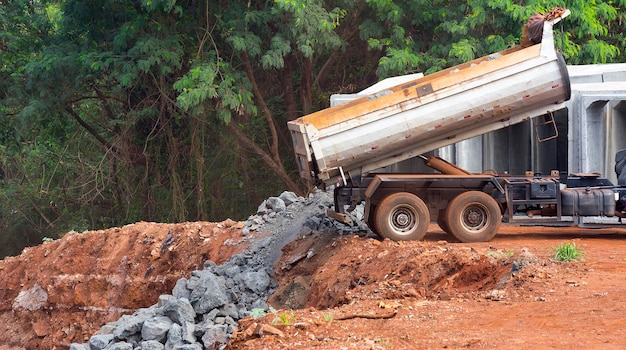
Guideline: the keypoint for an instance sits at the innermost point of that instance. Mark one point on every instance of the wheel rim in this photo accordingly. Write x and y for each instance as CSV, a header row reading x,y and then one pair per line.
x,y
475,217
403,220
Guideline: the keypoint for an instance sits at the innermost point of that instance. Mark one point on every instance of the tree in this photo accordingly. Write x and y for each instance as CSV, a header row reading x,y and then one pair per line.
x,y
428,36
118,111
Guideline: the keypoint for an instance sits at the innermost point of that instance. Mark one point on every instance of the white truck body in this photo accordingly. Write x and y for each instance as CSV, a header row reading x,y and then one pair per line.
x,y
430,112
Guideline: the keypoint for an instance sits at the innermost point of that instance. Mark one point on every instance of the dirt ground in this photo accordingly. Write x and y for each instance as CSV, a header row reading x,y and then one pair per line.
x,y
368,294
336,292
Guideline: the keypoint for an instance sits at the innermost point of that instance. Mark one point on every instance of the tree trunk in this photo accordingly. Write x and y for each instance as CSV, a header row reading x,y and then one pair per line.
x,y
272,159
277,168
197,145
307,86
289,89
266,111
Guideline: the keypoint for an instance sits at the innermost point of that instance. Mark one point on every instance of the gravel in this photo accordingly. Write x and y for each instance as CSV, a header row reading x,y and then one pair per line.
x,y
203,309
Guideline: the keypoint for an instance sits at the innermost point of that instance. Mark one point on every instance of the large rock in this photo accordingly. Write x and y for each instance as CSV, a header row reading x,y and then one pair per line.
x,y
129,325
179,311
120,346
210,292
256,281
151,345
156,328
99,342
187,332
31,299
174,337
289,198
275,204
215,337
181,290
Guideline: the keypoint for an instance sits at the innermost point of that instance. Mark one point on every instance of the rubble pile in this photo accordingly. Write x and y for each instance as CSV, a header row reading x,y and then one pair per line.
x,y
202,310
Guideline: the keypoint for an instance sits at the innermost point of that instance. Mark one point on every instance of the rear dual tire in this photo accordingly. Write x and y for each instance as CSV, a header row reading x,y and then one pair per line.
x,y
441,221
402,216
620,167
473,216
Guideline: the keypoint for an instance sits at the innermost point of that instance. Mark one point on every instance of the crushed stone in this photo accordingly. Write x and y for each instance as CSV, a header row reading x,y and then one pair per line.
x,y
203,309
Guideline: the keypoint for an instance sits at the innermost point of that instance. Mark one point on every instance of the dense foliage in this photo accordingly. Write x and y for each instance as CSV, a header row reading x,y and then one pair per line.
x,y
115,111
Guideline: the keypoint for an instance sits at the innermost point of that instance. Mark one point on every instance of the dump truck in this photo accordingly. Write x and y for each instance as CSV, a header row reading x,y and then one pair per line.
x,y
346,145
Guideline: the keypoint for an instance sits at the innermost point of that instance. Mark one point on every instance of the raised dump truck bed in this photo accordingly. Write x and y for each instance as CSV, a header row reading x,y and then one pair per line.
x,y
402,122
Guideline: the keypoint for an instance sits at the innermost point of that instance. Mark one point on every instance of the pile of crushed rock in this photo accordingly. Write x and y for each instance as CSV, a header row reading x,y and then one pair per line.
x,y
203,310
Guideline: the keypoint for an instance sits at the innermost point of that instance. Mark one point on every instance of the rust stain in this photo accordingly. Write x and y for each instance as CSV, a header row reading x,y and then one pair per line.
x,y
440,80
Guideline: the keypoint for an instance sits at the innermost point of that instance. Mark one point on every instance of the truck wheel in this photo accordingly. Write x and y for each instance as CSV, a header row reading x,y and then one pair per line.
x,y
620,167
402,216
441,221
473,217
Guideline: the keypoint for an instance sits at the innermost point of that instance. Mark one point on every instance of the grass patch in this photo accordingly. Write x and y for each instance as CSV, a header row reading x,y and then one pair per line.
x,y
284,319
327,316
567,252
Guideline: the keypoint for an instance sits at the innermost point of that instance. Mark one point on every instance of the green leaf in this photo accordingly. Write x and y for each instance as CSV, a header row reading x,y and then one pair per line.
x,y
224,115
463,50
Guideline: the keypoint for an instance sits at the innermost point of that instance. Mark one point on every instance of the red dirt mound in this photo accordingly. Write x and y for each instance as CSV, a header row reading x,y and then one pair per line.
x,y
63,291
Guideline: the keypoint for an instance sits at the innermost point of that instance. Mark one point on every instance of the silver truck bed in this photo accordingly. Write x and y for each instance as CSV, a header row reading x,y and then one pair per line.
x,y
443,108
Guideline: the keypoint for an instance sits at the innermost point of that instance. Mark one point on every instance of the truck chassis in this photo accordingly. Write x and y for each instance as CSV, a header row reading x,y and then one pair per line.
x,y
472,206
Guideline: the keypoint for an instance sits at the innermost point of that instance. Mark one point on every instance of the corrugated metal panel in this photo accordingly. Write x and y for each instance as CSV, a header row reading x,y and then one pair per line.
x,y
591,131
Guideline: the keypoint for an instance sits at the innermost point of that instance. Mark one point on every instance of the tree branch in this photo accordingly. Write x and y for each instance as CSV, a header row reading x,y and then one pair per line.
x,y
91,130
267,159
266,111
347,35
43,216
105,102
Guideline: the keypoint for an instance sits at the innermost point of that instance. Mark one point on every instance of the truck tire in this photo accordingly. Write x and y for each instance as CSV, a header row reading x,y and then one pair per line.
x,y
473,216
620,165
402,216
442,221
